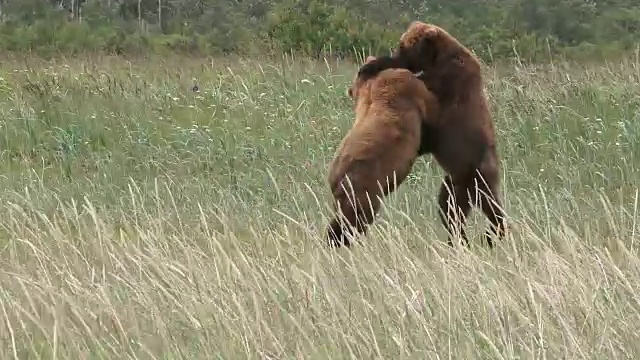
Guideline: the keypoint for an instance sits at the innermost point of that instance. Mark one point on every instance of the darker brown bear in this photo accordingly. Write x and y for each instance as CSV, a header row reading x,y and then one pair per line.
x,y
464,141
379,150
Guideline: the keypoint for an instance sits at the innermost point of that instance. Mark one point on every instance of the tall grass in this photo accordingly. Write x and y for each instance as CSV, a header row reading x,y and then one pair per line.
x,y
144,220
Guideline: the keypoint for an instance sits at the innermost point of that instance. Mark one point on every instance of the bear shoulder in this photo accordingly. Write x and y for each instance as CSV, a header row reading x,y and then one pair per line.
x,y
402,85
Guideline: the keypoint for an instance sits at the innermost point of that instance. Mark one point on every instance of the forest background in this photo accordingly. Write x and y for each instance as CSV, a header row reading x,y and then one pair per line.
x,y
529,30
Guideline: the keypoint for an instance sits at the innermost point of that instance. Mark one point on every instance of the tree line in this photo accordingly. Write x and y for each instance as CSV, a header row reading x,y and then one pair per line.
x,y
495,29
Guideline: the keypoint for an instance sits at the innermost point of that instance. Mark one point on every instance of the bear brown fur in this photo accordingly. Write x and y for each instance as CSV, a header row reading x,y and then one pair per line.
x,y
464,142
377,153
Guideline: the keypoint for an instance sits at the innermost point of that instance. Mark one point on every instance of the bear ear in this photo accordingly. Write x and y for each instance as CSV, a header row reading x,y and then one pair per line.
x,y
370,59
418,30
420,36
350,92
415,25
430,32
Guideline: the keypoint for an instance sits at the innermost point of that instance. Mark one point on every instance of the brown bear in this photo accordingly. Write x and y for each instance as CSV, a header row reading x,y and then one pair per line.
x,y
464,142
377,153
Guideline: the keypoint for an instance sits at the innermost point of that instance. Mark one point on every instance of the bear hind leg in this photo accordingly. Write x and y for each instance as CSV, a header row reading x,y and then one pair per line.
x,y
453,200
486,196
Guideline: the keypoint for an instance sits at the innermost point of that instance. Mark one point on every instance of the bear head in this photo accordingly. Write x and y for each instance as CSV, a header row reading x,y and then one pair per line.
x,y
358,81
448,67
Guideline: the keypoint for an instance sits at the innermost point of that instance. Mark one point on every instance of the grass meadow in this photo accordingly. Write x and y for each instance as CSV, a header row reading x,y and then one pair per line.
x,y
143,220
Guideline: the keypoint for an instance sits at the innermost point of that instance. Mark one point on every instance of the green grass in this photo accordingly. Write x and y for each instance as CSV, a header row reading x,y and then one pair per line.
x,y
142,220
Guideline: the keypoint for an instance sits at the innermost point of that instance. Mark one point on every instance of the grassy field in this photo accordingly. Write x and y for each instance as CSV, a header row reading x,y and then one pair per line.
x,y
143,220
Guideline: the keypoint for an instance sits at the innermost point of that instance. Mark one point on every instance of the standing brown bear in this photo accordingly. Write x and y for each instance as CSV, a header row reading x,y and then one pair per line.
x,y
464,142
379,150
